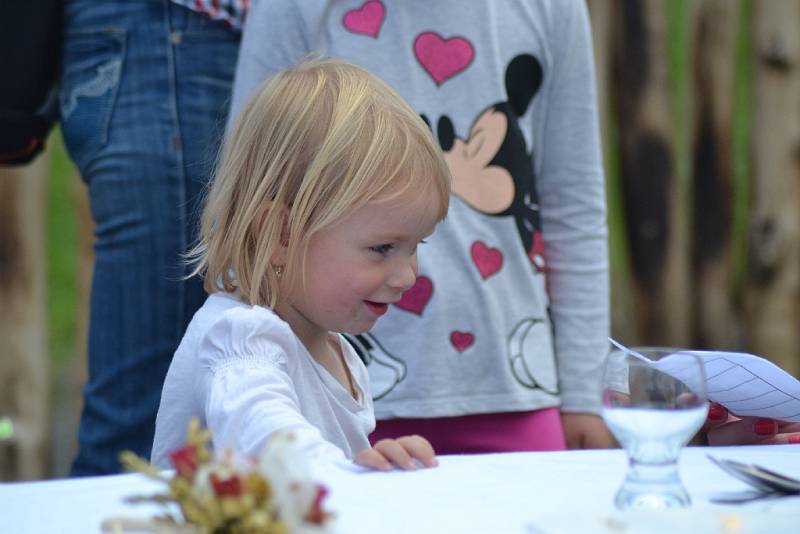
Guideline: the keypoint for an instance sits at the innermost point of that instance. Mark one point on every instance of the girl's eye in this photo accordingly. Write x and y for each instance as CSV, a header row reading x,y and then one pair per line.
x,y
382,249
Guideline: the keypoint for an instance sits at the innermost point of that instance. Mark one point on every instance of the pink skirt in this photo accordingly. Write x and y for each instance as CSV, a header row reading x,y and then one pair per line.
x,y
538,430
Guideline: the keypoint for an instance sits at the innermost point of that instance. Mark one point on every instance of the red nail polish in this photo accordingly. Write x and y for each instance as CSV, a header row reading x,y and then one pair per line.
x,y
794,439
764,427
716,412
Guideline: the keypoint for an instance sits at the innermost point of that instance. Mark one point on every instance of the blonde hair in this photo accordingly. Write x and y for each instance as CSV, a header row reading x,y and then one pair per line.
x,y
314,144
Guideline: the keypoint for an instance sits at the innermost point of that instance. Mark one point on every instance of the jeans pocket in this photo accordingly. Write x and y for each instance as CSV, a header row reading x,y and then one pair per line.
x,y
92,67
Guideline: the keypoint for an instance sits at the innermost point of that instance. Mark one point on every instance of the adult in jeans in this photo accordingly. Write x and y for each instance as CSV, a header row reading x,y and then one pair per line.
x,y
143,99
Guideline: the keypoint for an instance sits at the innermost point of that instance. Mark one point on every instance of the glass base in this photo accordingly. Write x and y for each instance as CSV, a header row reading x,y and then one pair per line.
x,y
652,487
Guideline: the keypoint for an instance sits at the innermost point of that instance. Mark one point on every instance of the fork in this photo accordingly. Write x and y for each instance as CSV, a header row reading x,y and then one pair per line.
x,y
746,497
767,482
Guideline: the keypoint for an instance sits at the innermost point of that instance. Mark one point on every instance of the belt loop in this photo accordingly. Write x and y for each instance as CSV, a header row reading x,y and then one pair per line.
x,y
178,18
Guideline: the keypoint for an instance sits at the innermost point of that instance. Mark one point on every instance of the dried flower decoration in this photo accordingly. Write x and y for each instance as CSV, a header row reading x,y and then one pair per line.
x,y
229,493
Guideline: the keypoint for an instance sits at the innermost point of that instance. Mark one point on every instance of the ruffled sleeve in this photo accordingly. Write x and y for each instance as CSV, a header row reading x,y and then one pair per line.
x,y
248,391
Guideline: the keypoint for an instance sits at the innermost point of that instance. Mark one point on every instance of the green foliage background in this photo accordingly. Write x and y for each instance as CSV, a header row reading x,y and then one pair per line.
x,y
62,257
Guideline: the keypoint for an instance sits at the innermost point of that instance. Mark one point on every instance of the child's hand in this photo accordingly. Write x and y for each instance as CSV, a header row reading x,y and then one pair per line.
x,y
586,431
724,428
406,453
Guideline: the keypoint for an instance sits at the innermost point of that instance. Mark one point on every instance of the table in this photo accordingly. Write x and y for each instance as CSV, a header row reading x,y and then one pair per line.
x,y
526,493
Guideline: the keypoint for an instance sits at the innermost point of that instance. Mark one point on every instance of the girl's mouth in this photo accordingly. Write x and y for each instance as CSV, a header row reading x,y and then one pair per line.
x,y
378,308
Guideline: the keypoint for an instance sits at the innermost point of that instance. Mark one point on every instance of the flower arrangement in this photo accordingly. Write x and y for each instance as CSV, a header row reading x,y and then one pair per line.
x,y
229,493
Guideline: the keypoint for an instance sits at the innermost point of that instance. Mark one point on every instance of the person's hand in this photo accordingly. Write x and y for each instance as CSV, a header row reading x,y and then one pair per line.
x,y
586,431
406,453
724,428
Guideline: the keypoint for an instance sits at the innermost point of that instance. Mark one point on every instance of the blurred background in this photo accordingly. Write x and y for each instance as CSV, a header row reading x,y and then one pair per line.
x,y
700,109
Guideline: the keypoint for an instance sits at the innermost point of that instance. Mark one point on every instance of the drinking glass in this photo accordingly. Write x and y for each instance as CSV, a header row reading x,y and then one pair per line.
x,y
653,403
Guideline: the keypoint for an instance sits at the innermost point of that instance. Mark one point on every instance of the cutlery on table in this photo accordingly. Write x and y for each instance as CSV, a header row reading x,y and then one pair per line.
x,y
768,483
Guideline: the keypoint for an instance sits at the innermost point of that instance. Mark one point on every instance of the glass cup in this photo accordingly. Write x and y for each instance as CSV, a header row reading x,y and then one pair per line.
x,y
653,403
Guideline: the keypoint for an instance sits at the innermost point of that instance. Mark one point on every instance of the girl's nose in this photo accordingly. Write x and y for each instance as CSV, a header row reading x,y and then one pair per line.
x,y
405,274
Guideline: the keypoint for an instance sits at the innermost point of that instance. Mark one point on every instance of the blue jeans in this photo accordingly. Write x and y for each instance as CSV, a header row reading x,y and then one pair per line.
x,y
144,98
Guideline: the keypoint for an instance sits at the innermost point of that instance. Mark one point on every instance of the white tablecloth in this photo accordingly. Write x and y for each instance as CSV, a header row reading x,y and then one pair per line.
x,y
526,493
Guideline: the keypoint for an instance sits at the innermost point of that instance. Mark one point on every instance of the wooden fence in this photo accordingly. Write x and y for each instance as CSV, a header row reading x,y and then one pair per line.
x,y
701,126
702,156
24,379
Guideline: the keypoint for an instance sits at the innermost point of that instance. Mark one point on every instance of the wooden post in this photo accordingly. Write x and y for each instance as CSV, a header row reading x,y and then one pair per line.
x,y
67,387
773,285
24,362
714,25
601,14
653,200
80,369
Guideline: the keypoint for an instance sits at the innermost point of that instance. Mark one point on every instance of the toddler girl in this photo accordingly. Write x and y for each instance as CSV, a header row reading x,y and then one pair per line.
x,y
327,183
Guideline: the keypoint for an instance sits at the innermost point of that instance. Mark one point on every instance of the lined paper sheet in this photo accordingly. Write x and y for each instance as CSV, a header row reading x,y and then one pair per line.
x,y
746,384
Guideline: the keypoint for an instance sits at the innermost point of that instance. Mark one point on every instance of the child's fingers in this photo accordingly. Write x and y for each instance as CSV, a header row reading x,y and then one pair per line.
x,y
745,431
782,439
420,449
403,452
787,433
717,416
687,399
785,427
372,459
393,451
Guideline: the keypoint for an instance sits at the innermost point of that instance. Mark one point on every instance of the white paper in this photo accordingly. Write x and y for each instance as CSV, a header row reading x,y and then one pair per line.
x,y
745,384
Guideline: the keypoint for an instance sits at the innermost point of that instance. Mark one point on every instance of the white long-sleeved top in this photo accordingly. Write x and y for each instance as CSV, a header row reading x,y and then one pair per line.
x,y
244,374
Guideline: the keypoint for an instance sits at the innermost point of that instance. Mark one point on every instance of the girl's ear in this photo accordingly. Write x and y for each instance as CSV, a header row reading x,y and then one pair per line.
x,y
279,252
279,256
284,227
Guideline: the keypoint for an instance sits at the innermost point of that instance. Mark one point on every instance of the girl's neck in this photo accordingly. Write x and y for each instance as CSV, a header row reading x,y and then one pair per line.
x,y
314,338
323,346
329,354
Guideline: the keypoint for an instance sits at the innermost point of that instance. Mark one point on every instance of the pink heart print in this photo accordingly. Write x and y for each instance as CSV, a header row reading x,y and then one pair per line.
x,y
461,340
366,20
415,299
488,260
443,58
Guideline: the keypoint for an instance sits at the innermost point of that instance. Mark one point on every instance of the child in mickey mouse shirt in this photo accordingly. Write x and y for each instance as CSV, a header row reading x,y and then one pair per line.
x,y
499,344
